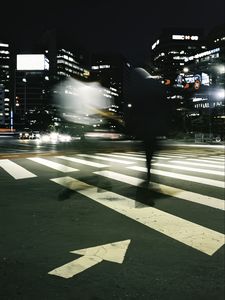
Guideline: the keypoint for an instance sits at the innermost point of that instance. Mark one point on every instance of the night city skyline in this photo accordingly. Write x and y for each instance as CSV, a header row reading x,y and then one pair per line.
x,y
112,150
116,27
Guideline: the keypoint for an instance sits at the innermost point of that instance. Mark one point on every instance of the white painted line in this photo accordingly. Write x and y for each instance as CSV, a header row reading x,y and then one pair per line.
x,y
107,159
197,170
52,165
205,160
199,146
83,161
201,180
167,190
170,156
136,153
196,236
15,170
176,154
215,159
197,164
142,156
130,154
161,157
123,156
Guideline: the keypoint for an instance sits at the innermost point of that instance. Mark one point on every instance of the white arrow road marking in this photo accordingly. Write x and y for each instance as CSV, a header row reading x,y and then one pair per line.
x,y
196,179
15,170
196,236
52,165
167,190
114,252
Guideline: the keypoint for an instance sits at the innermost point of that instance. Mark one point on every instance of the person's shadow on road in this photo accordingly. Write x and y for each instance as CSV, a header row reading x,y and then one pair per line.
x,y
147,194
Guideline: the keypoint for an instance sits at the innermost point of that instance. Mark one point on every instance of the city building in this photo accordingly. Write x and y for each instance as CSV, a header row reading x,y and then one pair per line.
x,y
31,83
206,111
108,70
5,87
192,67
172,47
67,65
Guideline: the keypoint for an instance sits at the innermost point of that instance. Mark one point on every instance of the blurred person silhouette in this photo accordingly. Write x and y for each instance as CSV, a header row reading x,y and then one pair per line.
x,y
147,112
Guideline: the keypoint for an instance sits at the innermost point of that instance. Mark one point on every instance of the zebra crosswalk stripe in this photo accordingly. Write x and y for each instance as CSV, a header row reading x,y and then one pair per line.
x,y
52,165
222,160
196,236
130,154
82,161
166,190
205,160
198,164
123,156
15,170
201,180
197,170
106,158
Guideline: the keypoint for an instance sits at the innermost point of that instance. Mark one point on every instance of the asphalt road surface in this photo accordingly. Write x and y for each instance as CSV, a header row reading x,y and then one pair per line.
x,y
85,224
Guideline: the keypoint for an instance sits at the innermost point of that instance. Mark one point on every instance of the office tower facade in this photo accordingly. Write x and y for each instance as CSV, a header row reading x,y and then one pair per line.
x,y
172,47
5,87
31,82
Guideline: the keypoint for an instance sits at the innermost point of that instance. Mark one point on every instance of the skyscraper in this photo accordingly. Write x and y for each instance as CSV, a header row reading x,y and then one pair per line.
x,y
5,107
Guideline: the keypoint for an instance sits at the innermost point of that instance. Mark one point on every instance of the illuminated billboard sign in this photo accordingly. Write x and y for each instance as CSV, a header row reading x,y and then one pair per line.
x,y
184,37
192,81
32,62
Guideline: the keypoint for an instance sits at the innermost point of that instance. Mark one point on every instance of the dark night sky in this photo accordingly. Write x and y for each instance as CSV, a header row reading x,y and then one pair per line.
x,y
127,27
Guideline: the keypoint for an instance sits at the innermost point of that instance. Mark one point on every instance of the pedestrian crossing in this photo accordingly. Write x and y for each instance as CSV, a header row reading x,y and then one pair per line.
x,y
15,170
53,165
175,175
180,176
167,190
201,238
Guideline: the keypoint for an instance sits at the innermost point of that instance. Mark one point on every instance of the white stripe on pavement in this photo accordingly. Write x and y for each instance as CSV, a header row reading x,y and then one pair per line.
x,y
215,159
196,236
197,164
52,165
167,190
129,154
123,156
15,170
136,153
170,156
196,179
156,156
216,163
82,161
106,158
198,170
